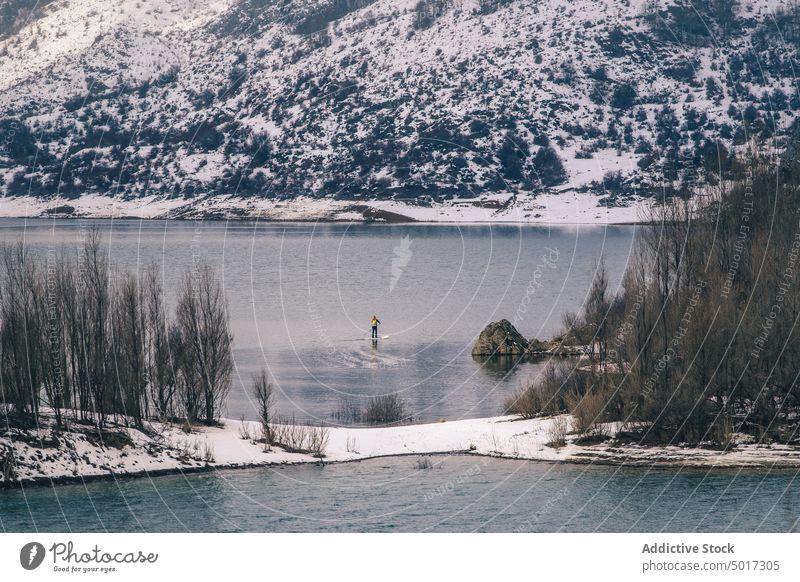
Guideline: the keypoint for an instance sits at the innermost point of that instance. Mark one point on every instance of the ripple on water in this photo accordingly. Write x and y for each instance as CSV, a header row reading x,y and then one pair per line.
x,y
461,494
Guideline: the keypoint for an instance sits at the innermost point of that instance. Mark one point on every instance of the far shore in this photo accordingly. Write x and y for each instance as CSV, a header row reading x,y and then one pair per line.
x,y
565,207
77,456
267,220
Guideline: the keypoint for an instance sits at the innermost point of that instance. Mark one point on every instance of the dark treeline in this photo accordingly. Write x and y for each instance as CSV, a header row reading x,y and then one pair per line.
x,y
702,340
91,342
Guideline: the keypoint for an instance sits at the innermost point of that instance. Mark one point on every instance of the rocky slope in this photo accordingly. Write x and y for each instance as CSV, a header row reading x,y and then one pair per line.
x,y
567,110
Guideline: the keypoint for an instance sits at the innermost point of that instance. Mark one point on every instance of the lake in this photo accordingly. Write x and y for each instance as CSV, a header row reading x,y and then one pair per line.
x,y
459,494
301,297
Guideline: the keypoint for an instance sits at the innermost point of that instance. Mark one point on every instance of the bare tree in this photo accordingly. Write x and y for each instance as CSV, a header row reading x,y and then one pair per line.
x,y
160,359
94,295
263,393
592,327
127,349
21,331
205,330
59,291
596,313
71,340
187,380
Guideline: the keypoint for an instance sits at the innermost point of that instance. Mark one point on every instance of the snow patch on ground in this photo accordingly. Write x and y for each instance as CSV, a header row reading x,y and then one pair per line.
x,y
74,455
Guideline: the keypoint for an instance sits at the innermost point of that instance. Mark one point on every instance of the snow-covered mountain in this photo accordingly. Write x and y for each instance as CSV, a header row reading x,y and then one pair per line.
x,y
566,110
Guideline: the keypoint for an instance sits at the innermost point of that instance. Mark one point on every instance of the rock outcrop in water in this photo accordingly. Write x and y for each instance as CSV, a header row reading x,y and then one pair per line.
x,y
500,338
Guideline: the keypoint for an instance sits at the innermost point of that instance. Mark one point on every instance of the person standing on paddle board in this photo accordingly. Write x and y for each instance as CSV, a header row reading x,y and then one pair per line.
x,y
375,323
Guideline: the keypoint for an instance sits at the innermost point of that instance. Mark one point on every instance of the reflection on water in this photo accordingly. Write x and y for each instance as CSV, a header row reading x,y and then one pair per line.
x,y
500,368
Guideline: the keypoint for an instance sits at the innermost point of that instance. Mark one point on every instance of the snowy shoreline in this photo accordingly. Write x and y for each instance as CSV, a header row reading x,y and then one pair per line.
x,y
76,456
568,207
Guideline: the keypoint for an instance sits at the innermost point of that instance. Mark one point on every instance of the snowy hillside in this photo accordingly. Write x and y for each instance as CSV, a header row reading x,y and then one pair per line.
x,y
564,110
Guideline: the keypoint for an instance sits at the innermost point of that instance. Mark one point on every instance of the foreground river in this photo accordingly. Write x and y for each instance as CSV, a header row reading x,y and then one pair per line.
x,y
458,494
301,297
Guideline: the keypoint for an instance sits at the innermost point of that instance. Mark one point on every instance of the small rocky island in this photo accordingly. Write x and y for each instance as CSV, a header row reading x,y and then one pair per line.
x,y
501,338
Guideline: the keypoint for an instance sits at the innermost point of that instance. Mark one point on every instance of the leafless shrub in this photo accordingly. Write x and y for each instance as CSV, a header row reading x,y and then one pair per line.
x,y
495,442
208,452
244,429
294,437
318,440
557,432
587,411
351,445
386,409
347,413
290,435
544,395
424,463
187,449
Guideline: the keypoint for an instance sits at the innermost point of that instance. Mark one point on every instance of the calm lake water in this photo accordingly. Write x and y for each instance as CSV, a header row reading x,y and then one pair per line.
x,y
301,297
459,494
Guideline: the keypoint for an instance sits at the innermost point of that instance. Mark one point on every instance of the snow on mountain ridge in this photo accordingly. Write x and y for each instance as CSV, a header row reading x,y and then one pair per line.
x,y
408,100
